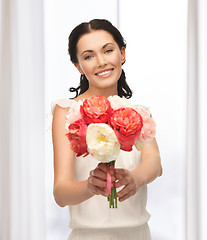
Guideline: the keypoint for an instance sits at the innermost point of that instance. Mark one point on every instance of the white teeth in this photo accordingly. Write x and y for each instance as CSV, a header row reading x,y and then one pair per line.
x,y
103,73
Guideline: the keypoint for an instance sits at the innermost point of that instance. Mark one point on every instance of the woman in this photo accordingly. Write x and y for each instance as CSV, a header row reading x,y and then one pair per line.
x,y
97,50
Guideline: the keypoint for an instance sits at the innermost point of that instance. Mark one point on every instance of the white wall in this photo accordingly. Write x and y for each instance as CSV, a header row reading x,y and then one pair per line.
x,y
155,32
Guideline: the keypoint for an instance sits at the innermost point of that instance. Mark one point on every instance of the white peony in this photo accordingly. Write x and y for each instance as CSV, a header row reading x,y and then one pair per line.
x,y
118,102
102,142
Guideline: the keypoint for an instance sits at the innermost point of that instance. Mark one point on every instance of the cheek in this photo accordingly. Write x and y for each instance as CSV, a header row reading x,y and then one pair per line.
x,y
87,67
116,59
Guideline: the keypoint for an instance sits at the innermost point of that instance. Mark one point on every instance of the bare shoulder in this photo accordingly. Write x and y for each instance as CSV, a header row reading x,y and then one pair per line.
x,y
60,110
59,115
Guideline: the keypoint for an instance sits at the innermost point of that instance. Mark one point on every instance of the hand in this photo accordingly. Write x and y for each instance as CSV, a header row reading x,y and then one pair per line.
x,y
127,179
97,180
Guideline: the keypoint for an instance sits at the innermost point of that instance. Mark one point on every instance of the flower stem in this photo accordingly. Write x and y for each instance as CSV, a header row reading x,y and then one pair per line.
x,y
112,198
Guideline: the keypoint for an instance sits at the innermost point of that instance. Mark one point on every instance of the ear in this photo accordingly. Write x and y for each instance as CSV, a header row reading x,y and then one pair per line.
x,y
123,55
79,68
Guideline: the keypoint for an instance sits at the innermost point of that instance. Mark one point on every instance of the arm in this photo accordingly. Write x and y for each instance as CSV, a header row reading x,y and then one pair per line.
x,y
149,169
66,190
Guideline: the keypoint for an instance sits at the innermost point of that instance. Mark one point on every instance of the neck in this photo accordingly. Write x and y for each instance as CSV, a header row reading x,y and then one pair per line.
x,y
101,92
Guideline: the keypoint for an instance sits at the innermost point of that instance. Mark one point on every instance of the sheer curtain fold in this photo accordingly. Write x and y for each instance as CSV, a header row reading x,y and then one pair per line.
x,y
192,141
203,114
22,121
196,167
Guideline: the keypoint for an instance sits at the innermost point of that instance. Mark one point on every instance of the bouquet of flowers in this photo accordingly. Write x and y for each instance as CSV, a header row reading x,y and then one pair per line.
x,y
102,126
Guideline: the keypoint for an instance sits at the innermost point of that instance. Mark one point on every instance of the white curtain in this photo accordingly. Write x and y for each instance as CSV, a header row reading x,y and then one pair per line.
x,y
192,141
22,207
203,115
196,167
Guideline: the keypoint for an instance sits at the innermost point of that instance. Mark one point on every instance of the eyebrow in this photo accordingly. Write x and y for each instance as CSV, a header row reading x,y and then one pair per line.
x,y
104,46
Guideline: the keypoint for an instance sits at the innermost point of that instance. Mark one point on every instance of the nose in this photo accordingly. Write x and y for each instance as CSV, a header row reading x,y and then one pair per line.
x,y
101,60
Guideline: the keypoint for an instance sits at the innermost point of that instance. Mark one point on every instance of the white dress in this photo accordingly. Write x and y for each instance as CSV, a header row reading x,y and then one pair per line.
x,y
93,219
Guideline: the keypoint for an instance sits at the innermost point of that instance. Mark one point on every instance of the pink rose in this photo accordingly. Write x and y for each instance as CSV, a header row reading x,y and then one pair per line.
x,y
149,126
96,110
142,111
127,125
77,137
148,131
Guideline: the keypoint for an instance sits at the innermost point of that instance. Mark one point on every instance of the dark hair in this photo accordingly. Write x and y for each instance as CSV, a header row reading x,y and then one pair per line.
x,y
86,27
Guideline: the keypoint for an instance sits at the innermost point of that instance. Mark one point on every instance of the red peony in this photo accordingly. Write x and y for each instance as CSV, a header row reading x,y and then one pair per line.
x,y
96,110
127,124
77,137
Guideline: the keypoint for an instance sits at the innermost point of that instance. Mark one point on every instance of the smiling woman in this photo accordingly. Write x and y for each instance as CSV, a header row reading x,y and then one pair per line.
x,y
97,50
99,53
102,62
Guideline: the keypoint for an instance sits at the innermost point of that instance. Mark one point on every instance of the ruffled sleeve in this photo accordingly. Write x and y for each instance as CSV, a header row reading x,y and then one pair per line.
x,y
64,103
73,113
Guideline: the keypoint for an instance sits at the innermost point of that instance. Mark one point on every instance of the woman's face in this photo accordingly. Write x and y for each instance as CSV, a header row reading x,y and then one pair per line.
x,y
100,59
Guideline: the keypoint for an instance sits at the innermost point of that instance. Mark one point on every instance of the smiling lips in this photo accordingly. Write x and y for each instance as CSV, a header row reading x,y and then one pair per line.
x,y
105,73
